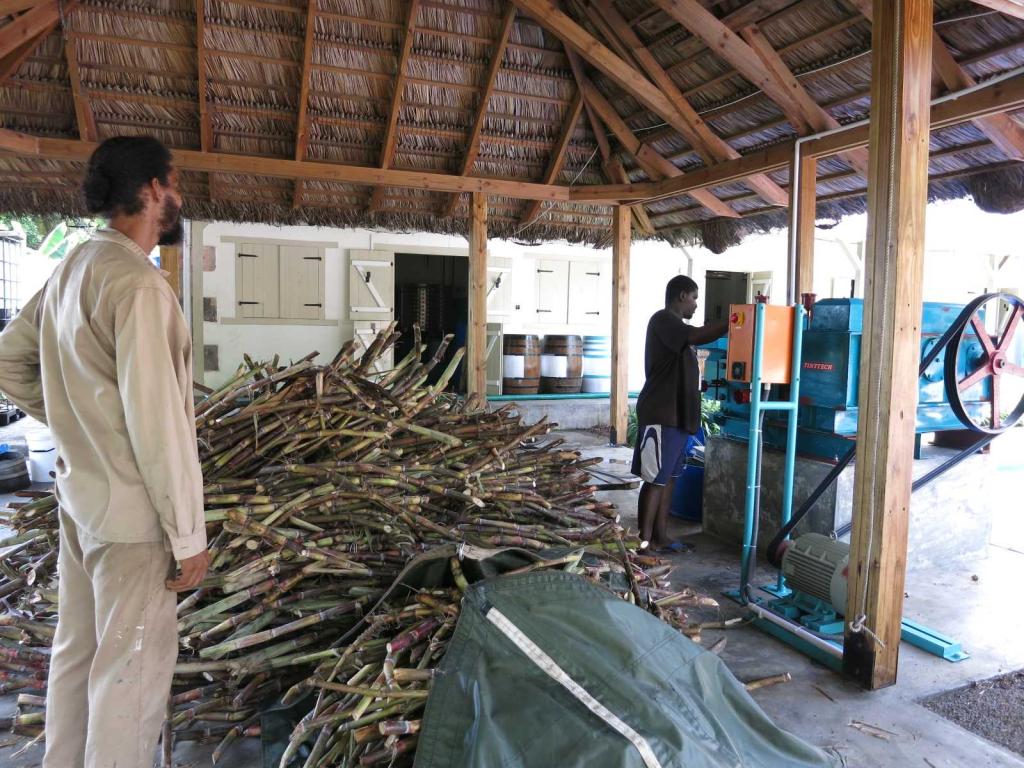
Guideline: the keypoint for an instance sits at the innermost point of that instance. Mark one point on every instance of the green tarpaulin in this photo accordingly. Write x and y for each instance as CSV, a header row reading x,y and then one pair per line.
x,y
547,669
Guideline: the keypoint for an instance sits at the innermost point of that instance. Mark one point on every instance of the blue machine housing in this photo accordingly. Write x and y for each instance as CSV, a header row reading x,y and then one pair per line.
x,y
830,380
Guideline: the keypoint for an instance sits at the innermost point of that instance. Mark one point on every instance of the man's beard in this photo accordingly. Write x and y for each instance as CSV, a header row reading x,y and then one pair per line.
x,y
172,226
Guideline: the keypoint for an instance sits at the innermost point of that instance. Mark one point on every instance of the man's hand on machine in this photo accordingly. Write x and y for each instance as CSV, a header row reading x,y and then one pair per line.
x,y
192,571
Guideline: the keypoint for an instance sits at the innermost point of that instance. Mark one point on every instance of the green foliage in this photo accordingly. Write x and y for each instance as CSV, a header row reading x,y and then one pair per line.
x,y
52,234
34,227
709,410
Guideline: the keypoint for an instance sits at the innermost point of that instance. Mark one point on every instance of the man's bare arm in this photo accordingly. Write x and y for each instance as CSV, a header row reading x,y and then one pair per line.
x,y
705,334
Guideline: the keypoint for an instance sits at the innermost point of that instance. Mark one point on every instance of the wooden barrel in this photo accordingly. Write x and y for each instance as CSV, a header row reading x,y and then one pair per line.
x,y
561,365
597,364
520,364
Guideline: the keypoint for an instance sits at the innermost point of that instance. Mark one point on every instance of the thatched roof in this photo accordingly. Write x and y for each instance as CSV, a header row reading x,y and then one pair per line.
x,y
240,69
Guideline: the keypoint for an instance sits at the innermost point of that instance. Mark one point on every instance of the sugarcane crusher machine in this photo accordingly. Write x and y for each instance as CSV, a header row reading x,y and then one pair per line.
x,y
805,605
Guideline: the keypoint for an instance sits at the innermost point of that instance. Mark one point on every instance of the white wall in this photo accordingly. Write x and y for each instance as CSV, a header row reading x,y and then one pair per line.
x,y
263,341
961,245
651,266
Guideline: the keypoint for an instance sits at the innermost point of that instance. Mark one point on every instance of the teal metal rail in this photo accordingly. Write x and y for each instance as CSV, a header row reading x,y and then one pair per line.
x,y
759,405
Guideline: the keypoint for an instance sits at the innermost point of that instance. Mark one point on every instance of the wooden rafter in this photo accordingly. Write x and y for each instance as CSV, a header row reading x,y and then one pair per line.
x,y
253,165
1004,96
579,40
705,142
387,151
11,7
1009,7
557,158
83,110
812,113
653,164
11,63
1002,130
473,148
205,123
29,26
730,47
605,32
302,127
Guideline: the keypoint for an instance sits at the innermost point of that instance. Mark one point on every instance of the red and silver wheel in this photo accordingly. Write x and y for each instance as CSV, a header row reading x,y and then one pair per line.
x,y
992,354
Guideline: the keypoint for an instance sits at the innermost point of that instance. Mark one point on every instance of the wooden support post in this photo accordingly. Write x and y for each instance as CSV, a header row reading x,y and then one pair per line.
x,y
170,262
621,236
476,359
801,231
891,343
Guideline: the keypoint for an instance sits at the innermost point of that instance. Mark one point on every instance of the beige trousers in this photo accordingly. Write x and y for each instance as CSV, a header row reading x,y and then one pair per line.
x,y
113,654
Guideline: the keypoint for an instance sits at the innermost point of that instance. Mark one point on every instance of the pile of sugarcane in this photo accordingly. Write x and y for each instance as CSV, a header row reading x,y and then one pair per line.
x,y
322,483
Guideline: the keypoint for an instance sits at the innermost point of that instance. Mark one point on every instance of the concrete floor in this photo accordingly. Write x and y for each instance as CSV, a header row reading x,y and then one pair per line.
x,y
817,704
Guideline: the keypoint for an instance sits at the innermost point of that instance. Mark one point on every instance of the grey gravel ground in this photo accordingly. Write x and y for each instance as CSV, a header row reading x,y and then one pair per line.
x,y
993,709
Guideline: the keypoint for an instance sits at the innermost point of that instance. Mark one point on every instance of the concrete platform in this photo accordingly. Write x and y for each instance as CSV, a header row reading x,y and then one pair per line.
x,y
819,705
570,413
950,518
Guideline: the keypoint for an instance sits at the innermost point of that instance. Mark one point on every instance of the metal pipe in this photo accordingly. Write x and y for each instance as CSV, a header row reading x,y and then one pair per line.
x,y
797,630
753,452
794,181
789,469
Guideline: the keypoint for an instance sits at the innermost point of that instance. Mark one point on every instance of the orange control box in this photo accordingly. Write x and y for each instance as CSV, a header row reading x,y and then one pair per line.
x,y
777,356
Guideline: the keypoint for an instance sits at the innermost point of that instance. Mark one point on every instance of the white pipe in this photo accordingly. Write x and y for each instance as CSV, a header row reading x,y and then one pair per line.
x,y
797,630
794,181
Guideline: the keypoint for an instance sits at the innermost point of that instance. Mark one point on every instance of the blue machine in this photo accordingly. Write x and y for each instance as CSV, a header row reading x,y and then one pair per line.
x,y
811,592
830,374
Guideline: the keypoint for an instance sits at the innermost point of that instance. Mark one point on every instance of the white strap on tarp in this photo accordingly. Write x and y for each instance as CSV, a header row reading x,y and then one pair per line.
x,y
559,675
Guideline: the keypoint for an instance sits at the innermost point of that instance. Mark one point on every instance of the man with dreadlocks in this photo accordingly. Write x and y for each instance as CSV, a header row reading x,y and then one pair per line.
x,y
102,355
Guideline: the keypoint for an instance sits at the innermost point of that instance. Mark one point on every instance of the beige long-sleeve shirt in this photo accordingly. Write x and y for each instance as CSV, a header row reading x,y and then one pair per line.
x,y
103,356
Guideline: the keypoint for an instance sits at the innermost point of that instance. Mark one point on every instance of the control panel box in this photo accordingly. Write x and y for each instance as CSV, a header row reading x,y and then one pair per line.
x,y
777,355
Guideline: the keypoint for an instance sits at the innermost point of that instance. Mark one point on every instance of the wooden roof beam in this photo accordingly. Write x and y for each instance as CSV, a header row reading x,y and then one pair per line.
x,y
708,145
302,126
387,151
30,25
83,110
11,7
812,113
253,165
205,123
1001,130
11,63
653,164
1013,8
473,148
996,98
557,156
577,39
611,165
730,47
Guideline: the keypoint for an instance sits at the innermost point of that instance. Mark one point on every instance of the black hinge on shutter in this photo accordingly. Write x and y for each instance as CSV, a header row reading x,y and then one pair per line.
x,y
546,271
595,274
592,313
311,258
367,278
312,305
248,302
248,256
543,310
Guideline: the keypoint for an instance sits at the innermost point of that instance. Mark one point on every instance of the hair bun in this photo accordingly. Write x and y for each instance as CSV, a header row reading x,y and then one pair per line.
x,y
97,191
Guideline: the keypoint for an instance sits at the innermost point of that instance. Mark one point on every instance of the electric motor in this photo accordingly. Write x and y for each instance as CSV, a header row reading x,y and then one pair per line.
x,y
817,565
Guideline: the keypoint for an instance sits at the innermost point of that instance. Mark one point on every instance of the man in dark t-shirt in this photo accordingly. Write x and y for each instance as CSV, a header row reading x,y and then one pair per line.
x,y
668,408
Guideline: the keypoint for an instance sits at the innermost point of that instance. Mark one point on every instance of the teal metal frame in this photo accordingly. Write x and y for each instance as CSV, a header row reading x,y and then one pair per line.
x,y
758,405
788,604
